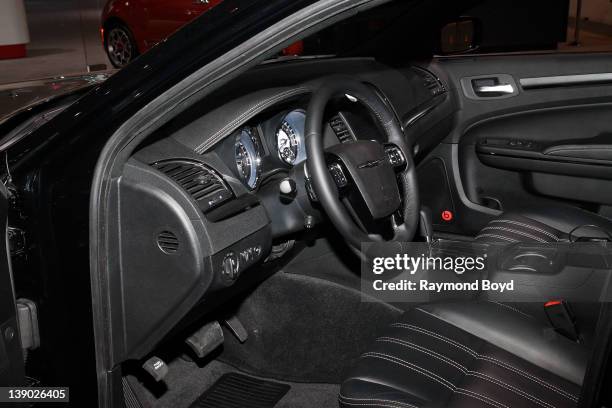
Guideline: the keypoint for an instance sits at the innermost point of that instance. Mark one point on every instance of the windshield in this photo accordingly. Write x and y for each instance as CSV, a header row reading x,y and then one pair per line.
x,y
411,29
397,30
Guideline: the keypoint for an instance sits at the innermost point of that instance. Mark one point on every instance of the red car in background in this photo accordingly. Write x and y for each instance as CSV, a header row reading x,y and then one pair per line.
x,y
131,27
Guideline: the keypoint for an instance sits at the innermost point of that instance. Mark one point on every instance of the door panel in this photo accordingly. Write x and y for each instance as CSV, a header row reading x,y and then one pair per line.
x,y
559,152
11,357
548,142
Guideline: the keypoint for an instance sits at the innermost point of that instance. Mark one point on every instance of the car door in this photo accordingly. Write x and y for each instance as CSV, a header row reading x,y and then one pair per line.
x,y
11,357
167,16
529,132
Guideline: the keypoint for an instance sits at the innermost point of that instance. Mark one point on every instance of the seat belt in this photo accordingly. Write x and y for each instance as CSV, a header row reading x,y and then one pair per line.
x,y
562,319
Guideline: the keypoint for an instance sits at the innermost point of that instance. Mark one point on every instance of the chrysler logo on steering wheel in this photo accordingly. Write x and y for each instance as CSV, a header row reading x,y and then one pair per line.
x,y
370,164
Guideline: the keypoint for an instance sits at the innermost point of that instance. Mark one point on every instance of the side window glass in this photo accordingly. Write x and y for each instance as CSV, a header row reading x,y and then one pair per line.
x,y
545,26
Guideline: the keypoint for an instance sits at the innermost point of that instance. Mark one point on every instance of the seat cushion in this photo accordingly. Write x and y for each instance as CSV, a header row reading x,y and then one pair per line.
x,y
477,354
551,224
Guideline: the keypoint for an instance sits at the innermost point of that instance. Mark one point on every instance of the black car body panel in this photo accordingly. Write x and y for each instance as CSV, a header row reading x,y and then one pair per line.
x,y
24,96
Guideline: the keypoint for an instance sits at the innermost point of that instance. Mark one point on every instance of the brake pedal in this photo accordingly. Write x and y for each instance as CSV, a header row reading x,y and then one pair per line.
x,y
206,339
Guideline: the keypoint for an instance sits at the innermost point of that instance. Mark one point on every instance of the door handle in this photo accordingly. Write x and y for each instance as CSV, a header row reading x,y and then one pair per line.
x,y
201,1
493,90
491,86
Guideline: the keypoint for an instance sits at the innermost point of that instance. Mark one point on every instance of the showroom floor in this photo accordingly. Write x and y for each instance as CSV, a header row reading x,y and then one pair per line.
x,y
57,46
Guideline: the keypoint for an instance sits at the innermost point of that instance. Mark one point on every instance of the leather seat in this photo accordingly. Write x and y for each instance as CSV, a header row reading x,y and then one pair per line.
x,y
552,224
478,354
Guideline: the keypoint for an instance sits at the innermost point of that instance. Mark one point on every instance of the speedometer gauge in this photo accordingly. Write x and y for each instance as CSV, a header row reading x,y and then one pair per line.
x,y
247,157
290,138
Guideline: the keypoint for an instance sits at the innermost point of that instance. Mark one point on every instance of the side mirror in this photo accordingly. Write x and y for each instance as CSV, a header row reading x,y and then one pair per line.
x,y
459,36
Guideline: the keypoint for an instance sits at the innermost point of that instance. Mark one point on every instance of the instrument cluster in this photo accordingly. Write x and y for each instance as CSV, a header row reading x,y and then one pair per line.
x,y
290,142
247,154
278,143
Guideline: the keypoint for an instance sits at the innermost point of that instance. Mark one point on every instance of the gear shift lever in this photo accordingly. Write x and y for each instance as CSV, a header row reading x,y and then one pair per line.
x,y
425,224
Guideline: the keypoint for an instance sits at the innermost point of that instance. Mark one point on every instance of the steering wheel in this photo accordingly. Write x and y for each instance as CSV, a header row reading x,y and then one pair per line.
x,y
379,177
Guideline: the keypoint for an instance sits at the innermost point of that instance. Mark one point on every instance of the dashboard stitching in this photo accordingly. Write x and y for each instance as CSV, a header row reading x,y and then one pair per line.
x,y
244,116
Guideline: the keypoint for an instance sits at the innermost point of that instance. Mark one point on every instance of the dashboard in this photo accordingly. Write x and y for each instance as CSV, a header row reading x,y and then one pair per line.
x,y
224,188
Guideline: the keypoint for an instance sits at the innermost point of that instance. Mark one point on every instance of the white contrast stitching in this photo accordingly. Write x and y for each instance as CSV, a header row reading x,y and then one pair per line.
x,y
522,224
372,404
236,122
496,236
489,358
405,404
465,370
513,231
435,377
492,360
231,125
514,309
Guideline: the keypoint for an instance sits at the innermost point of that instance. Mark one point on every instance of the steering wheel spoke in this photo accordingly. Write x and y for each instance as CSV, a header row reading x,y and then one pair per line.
x,y
396,157
338,174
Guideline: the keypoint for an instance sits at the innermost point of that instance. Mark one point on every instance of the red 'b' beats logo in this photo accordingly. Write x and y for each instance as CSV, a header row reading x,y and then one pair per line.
x,y
447,215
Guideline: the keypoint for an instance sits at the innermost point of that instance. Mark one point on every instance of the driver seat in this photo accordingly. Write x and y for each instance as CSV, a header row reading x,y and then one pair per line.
x,y
476,354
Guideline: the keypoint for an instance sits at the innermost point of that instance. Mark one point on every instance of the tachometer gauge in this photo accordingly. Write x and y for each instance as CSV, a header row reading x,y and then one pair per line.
x,y
290,138
247,157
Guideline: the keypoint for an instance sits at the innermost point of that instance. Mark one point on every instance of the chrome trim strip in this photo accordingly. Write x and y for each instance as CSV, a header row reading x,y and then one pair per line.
x,y
419,115
565,80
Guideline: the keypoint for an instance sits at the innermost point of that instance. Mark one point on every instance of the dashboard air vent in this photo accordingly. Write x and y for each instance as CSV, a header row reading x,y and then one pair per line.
x,y
430,81
341,130
204,184
168,242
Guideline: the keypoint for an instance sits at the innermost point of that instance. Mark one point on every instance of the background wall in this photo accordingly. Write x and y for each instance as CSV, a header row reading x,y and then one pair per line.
x,y
598,11
64,39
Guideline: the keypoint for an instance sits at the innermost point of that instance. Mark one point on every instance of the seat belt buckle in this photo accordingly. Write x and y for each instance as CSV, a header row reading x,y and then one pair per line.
x,y
562,319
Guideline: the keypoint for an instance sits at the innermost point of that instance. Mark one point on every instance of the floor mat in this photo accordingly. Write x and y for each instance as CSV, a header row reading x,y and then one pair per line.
x,y
187,380
235,390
